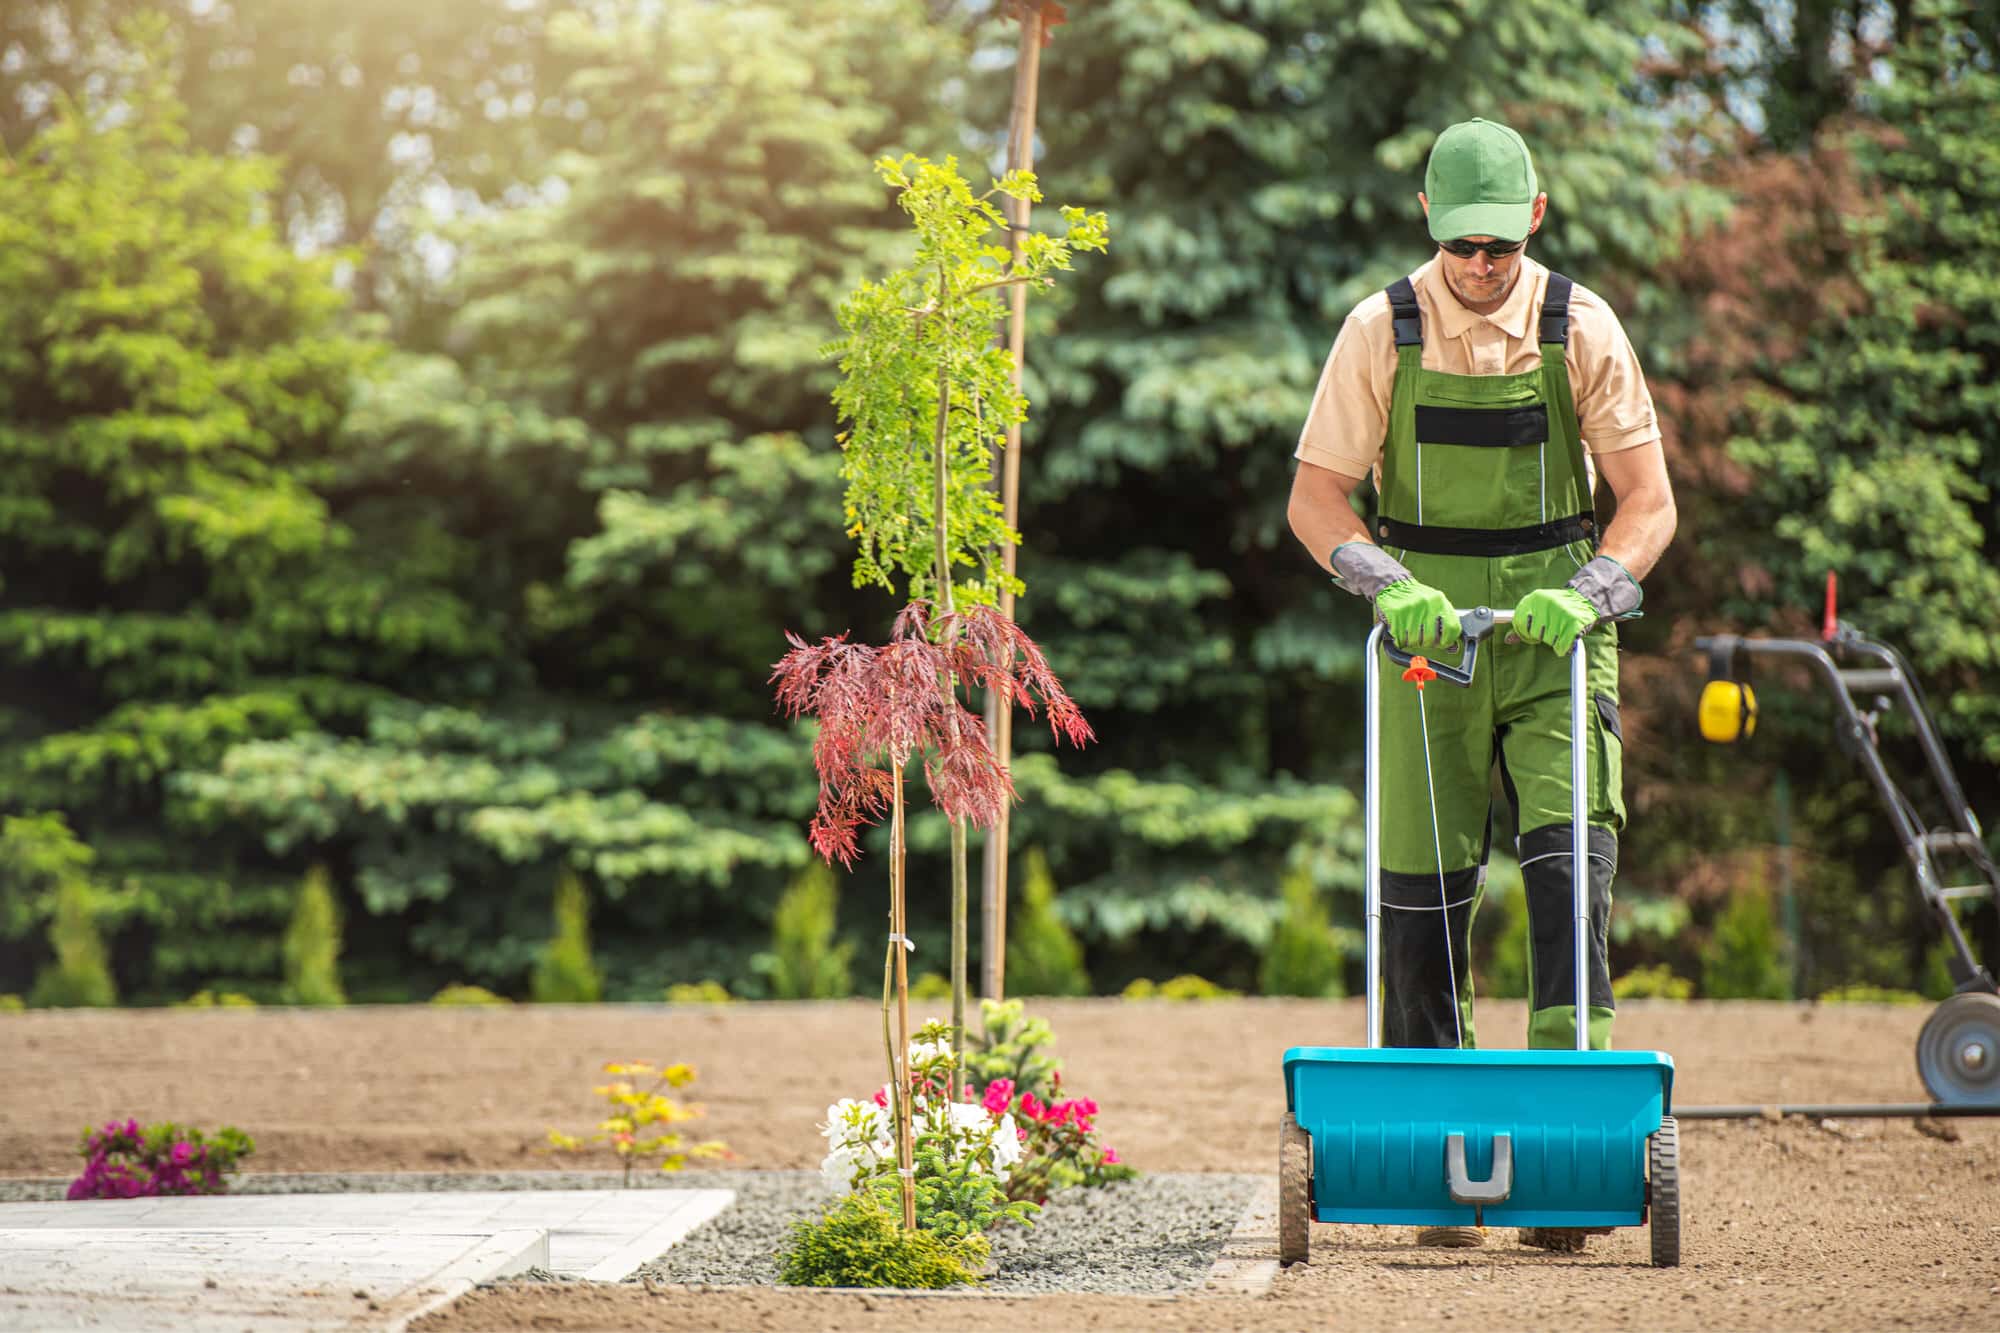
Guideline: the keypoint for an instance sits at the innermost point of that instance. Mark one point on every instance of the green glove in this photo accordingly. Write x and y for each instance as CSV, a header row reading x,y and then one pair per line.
x,y
1419,616
1554,616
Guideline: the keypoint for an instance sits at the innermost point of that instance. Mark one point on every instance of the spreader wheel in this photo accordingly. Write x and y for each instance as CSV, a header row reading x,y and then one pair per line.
x,y
1958,1051
1663,1189
1294,1191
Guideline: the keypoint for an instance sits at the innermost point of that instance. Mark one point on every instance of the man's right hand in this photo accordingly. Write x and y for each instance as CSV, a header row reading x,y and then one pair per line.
x,y
1420,618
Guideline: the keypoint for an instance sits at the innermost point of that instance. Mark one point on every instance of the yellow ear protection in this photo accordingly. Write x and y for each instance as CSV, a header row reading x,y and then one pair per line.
x,y
1728,710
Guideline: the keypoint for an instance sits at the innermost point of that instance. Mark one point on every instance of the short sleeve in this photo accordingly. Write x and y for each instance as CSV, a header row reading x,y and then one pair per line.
x,y
1614,407
1350,409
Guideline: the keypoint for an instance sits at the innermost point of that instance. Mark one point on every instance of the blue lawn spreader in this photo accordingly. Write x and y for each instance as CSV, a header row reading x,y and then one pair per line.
x,y
1530,1138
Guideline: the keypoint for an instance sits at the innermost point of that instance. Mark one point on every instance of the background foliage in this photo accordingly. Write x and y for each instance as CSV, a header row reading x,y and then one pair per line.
x,y
415,443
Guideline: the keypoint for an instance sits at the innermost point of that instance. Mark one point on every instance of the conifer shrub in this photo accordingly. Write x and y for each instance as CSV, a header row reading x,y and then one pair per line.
x,y
699,992
312,944
931,986
566,974
1043,956
804,962
859,1242
1657,982
1744,959
1303,957
80,976
214,999
1184,987
468,995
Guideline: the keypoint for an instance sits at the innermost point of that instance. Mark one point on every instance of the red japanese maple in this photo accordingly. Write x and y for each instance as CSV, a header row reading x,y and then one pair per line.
x,y
892,702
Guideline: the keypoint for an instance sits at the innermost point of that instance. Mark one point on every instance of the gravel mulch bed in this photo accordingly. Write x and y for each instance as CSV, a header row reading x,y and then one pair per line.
x,y
1158,1234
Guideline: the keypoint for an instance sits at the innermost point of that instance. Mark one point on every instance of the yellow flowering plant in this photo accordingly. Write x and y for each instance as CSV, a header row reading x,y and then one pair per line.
x,y
638,1107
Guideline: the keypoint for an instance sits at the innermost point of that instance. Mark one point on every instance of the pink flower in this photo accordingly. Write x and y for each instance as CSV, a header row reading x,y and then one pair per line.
x,y
1110,1157
183,1154
999,1093
1086,1106
882,1096
1031,1106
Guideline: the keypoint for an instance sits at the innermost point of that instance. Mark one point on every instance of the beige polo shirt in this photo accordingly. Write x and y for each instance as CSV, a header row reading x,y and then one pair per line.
x,y
1350,409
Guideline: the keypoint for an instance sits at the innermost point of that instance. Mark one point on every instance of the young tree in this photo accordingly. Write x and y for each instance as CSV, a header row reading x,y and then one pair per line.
x,y
880,706
919,363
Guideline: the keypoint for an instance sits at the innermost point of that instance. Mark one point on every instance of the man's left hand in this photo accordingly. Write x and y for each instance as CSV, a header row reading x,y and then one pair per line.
x,y
1554,616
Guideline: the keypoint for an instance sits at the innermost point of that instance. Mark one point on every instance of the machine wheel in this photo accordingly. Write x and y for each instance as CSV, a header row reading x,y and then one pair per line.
x,y
1663,1191
1958,1051
1294,1191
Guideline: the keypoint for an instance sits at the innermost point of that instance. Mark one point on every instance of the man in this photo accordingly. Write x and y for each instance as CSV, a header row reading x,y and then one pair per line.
x,y
1478,391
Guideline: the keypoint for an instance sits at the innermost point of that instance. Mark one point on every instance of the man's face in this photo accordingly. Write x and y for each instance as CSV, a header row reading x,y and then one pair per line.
x,y
1482,278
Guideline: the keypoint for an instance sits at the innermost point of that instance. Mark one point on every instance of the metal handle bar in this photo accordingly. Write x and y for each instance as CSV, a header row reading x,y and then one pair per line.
x,y
1372,805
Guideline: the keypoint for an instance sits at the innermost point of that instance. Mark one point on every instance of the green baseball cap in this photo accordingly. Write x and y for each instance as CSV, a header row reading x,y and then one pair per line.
x,y
1480,182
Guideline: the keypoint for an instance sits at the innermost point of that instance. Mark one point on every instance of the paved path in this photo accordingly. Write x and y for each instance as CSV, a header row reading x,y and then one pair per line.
x,y
314,1261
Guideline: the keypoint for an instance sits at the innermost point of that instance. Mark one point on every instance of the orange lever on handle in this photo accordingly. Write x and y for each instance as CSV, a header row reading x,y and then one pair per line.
x,y
1418,671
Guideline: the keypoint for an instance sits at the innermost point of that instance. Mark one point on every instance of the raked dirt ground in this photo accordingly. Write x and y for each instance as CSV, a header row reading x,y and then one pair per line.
x,y
1849,1225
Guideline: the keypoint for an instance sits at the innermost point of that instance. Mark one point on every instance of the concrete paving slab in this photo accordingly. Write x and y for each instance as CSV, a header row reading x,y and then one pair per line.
x,y
220,1280
288,1263
601,1235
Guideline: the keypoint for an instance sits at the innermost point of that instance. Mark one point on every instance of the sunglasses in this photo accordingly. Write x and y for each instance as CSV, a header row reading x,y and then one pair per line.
x,y
1467,249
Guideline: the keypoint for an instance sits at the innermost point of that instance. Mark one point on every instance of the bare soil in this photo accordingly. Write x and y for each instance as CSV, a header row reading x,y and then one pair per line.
x,y
1860,1224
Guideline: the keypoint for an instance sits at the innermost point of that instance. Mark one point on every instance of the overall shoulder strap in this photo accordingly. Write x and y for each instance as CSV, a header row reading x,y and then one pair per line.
x,y
1409,321
1555,310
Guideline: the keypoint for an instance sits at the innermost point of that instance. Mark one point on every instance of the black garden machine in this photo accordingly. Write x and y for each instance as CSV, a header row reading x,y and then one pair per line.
x,y
1958,1050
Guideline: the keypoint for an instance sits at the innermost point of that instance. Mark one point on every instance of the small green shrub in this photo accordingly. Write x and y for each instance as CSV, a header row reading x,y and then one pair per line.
x,y
1010,1045
12,1004
1185,987
565,974
468,995
212,999
1869,995
859,1242
1043,956
699,992
1304,955
80,977
931,986
312,944
803,962
1745,957
1657,982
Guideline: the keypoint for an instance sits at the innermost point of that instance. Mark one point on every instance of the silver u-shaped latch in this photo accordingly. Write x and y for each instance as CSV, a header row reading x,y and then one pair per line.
x,y
1495,1188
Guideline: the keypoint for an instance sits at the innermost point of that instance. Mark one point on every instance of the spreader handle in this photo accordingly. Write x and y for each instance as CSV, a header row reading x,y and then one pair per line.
x,y
1475,624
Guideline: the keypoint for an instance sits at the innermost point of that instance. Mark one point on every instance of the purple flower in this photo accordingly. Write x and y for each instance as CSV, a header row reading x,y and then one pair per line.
x,y
183,1154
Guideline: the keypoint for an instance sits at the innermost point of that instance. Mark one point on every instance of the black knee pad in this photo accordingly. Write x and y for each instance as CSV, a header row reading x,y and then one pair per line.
x,y
1545,873
1418,917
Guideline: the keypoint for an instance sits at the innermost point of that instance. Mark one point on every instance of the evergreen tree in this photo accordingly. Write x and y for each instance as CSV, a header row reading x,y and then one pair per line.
x,y
1043,956
1834,415
626,478
566,974
312,944
170,378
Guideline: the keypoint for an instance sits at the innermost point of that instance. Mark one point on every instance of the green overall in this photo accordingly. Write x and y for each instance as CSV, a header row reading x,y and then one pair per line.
x,y
1484,496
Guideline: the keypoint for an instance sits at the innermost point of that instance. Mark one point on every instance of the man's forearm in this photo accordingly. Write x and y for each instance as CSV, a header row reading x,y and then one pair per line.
x,y
1641,529
1322,516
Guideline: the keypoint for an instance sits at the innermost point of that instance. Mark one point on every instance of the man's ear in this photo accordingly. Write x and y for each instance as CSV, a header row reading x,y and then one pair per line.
x,y
1541,207
1427,203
